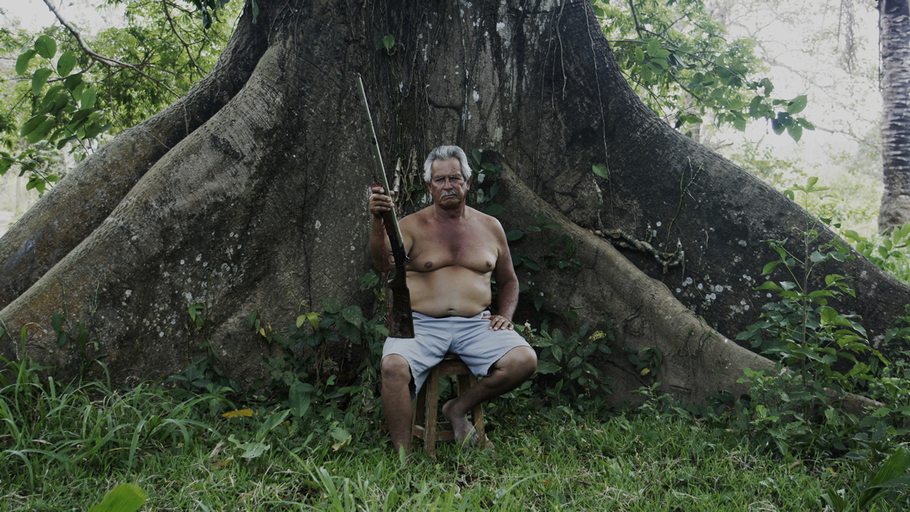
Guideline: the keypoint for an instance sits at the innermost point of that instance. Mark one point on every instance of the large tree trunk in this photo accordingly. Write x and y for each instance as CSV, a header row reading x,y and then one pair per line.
x,y
894,36
263,205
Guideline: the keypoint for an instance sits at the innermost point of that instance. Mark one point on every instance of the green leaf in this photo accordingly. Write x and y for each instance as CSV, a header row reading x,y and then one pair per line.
x,y
493,209
57,322
72,81
66,63
88,98
515,234
653,46
123,498
32,124
805,123
353,314
39,79
299,398
23,60
795,131
46,46
769,267
272,421
386,43
95,129
798,104
777,127
41,132
739,123
331,305
601,170
547,367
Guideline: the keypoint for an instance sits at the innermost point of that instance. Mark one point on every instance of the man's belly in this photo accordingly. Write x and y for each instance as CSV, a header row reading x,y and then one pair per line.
x,y
449,291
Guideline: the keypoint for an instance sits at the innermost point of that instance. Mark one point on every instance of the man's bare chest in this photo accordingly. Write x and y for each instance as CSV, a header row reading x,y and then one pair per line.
x,y
469,249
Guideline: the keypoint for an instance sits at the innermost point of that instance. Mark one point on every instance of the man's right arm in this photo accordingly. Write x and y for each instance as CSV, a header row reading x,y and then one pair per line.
x,y
380,248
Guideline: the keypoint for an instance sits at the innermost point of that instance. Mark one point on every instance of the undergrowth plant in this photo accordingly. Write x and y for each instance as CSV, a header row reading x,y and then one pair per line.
x,y
821,354
889,251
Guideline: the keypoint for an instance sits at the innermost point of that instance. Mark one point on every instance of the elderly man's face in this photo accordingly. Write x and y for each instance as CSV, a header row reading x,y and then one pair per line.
x,y
447,185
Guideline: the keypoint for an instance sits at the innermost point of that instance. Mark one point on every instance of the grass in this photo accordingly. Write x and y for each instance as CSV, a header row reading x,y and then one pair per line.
x,y
64,447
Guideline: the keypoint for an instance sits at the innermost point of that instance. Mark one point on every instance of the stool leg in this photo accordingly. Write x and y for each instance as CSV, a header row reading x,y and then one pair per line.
x,y
432,410
419,416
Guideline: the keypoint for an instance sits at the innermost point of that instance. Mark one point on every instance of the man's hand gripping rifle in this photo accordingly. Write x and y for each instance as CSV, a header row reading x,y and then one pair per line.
x,y
402,322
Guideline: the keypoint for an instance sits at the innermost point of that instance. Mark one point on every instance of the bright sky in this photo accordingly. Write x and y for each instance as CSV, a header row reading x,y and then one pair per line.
x,y
34,14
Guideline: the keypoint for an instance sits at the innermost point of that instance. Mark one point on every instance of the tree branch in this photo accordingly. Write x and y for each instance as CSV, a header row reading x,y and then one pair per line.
x,y
107,61
167,14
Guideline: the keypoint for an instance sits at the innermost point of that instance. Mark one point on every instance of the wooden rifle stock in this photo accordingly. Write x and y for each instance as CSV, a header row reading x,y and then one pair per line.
x,y
402,321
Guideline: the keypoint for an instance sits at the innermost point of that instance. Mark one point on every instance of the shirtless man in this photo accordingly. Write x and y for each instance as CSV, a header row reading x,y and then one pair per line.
x,y
454,251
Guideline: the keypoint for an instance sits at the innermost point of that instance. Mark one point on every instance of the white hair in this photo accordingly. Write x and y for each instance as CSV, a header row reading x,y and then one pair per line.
x,y
445,153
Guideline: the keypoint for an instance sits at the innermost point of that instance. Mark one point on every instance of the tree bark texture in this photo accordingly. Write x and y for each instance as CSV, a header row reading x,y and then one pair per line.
x,y
261,203
894,40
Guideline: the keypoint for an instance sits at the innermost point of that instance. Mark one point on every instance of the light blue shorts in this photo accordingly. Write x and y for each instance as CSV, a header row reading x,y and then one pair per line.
x,y
468,337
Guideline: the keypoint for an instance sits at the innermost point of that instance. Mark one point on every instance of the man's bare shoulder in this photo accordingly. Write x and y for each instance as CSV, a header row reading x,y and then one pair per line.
x,y
414,219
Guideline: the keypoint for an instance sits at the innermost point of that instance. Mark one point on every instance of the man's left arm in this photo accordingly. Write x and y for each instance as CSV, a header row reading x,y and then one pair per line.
x,y
506,283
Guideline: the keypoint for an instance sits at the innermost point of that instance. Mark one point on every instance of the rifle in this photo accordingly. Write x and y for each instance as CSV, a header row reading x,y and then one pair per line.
x,y
402,321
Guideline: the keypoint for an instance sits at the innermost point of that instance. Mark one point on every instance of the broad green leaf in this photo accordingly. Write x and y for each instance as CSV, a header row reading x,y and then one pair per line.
x,y
601,170
828,315
493,209
299,398
253,450
72,81
353,314
271,421
777,127
798,104
547,367
23,60
795,131
46,46
477,155
769,267
805,123
768,285
515,234
653,47
57,322
39,79
342,436
66,63
32,124
88,98
739,123
331,305
123,498
41,132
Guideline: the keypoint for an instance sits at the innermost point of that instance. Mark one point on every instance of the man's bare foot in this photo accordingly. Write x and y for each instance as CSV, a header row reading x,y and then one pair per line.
x,y
465,434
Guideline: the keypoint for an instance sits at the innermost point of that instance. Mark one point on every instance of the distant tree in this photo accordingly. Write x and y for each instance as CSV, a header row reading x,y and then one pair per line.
x,y
894,36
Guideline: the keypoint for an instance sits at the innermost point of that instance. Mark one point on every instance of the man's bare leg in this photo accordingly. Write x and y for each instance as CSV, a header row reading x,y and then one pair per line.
x,y
505,375
396,400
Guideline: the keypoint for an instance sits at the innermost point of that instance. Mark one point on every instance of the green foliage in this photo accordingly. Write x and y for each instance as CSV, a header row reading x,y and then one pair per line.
x,y
123,498
67,99
890,478
888,252
567,372
685,66
315,373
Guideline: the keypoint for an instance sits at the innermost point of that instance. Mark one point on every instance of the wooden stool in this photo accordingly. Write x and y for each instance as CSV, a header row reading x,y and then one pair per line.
x,y
425,412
